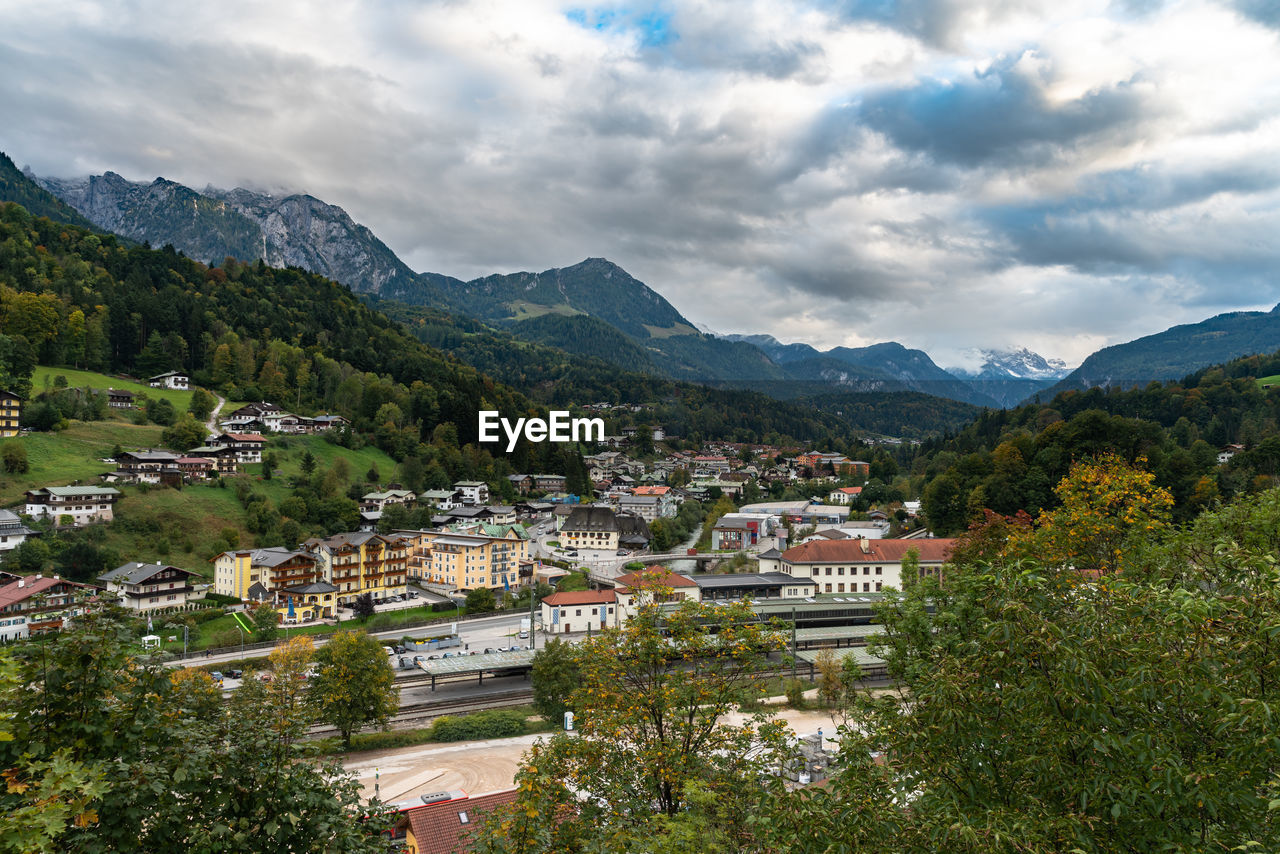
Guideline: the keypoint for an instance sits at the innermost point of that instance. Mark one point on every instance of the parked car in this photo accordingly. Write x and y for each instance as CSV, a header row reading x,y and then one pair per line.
x,y
400,649
388,650
413,595
217,676
622,552
489,649
235,674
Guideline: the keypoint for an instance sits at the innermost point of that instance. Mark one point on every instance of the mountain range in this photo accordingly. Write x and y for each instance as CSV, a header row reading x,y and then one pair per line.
x,y
597,308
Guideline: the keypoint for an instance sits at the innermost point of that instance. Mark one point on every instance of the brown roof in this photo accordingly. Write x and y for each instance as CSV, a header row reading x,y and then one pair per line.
x,y
443,828
652,575
868,551
581,597
245,437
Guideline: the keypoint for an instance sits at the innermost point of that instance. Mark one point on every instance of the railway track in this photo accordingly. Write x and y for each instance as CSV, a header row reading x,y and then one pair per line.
x,y
415,714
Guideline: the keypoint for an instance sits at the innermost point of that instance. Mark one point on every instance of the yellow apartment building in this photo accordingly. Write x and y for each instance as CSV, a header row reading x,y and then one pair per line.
x,y
489,556
236,573
359,563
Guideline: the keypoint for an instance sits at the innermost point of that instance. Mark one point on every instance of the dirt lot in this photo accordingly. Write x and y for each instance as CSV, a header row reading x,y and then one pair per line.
x,y
477,767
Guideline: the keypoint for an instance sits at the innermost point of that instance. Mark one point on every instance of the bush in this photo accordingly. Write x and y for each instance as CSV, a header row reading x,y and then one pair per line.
x,y
795,694
495,723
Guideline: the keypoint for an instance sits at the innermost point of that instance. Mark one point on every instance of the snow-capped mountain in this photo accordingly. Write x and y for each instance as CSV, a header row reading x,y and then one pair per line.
x,y
1021,364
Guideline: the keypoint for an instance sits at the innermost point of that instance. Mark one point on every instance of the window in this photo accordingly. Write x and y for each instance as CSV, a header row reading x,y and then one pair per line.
x,y
866,570
828,586
840,570
866,587
462,817
578,613
840,587
877,586
879,570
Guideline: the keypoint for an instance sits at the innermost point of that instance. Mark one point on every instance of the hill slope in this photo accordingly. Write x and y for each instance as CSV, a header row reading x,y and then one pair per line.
x,y
16,187
1176,352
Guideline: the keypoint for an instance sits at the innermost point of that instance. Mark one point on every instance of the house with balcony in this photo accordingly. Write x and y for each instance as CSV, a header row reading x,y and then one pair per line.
x,y
362,562
149,586
473,491
235,573
483,556
176,380
34,604
12,532
10,414
247,446
84,505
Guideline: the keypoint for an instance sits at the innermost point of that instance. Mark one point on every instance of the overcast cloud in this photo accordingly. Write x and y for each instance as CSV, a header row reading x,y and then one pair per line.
x,y
949,174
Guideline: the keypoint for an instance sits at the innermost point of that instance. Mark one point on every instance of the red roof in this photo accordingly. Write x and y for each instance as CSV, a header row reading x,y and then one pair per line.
x,y
11,593
653,575
651,490
868,551
850,490
444,828
246,437
581,597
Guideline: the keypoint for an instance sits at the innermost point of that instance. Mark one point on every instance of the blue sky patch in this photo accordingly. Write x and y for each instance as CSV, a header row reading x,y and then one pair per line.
x,y
651,25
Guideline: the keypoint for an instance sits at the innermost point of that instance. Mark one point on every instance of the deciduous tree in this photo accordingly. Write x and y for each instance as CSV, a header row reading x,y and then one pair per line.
x,y
354,685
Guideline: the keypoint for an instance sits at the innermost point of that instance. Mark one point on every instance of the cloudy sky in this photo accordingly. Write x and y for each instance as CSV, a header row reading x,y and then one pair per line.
x,y
1059,174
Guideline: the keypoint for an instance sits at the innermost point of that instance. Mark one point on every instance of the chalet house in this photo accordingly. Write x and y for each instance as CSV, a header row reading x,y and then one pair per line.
x,y
224,459
148,467
591,528
549,483
119,399
12,532
473,491
247,446
84,504
376,502
521,483
148,586
441,499
196,468
330,422
176,380
35,604
256,410
10,412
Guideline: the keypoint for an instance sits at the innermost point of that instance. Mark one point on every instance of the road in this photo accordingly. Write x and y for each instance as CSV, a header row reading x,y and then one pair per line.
x,y
476,632
212,424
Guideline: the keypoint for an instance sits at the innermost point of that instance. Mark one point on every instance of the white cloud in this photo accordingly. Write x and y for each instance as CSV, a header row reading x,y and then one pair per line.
x,y
786,167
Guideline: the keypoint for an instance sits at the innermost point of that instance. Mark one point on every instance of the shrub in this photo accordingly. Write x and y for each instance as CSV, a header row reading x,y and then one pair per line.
x,y
495,723
795,694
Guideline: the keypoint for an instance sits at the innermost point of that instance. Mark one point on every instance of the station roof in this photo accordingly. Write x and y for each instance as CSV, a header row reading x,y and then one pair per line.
x,y
460,664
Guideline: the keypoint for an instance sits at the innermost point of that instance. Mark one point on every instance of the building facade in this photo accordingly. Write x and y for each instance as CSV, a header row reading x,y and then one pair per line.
x,y
359,563
276,569
148,586
10,414
83,504
859,565
488,556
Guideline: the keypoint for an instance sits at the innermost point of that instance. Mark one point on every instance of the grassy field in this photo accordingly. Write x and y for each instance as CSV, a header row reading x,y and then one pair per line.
x,y
74,454
182,527
523,310
43,378
1274,379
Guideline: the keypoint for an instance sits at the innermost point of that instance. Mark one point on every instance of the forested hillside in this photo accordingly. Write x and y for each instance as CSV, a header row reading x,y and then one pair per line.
x,y
1008,460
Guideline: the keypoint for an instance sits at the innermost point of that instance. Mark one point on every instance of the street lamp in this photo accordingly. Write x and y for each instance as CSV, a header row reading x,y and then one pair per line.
x,y
242,633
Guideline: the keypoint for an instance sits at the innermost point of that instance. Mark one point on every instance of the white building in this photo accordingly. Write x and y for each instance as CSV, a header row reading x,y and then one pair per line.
x,y
84,504
857,565
147,586
579,611
12,532
175,380
473,491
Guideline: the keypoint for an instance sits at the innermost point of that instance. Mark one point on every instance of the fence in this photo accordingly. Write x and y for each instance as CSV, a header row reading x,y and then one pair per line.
x,y
412,624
